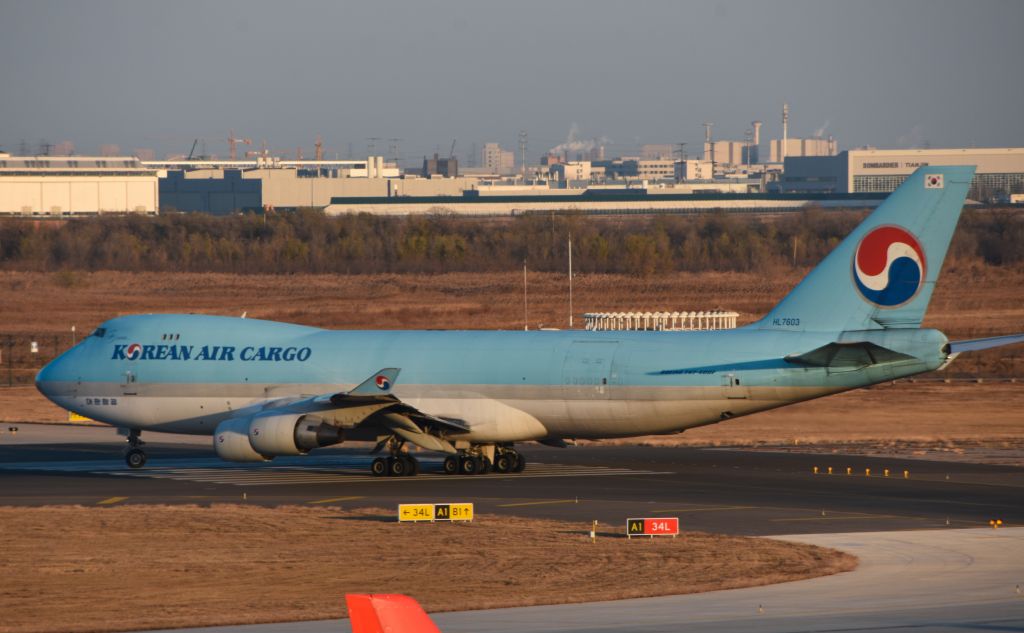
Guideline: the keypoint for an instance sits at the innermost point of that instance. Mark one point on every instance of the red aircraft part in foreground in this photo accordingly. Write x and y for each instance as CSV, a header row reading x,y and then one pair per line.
x,y
387,613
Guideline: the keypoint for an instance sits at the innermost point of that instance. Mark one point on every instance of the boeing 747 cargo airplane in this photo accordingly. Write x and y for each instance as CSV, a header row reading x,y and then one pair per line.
x,y
263,389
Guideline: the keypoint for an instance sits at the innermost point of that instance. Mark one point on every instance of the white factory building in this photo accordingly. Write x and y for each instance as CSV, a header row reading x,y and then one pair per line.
x,y
779,149
1000,171
76,185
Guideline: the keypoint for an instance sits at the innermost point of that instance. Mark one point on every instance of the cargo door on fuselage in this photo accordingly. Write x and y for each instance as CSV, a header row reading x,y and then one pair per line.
x,y
589,370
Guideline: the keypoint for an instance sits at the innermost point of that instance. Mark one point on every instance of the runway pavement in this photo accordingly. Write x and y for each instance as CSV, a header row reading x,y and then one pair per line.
x,y
918,571
939,581
729,491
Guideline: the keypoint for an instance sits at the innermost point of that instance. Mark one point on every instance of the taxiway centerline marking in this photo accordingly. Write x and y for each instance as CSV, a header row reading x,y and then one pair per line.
x,y
709,509
335,499
537,503
843,518
240,477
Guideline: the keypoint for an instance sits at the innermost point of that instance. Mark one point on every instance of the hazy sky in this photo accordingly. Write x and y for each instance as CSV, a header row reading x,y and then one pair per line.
x,y
159,74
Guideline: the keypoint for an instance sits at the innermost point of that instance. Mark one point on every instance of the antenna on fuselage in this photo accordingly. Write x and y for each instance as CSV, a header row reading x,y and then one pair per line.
x,y
245,313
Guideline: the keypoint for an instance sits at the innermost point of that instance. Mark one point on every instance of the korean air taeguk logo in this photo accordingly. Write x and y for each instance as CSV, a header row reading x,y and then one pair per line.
x,y
889,266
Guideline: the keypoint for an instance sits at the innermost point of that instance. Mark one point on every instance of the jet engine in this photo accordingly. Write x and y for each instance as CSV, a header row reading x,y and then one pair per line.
x,y
263,437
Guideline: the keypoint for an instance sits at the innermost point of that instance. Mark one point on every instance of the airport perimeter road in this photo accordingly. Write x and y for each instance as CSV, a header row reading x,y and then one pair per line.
x,y
940,581
728,491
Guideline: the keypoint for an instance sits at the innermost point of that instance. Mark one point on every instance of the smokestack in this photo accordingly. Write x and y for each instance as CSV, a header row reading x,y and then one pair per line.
x,y
756,158
785,129
709,147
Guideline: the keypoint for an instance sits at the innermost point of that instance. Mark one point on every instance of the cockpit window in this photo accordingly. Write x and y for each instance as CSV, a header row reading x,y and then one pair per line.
x,y
100,332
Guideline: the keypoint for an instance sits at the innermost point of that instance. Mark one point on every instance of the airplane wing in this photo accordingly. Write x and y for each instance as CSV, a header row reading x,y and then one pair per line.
x,y
974,345
371,402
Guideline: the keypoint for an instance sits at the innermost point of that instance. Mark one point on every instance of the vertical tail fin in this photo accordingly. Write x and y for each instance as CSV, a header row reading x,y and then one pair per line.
x,y
882,275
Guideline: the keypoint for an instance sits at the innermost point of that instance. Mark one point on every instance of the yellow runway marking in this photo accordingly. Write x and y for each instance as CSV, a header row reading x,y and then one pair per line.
x,y
335,499
111,501
537,503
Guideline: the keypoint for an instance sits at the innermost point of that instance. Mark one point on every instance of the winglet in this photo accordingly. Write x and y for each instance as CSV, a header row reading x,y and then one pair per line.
x,y
379,384
381,612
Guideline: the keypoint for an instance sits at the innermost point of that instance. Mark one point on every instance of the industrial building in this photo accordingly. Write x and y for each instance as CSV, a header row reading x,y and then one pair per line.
x,y
497,160
687,170
444,167
780,149
1000,171
221,187
76,185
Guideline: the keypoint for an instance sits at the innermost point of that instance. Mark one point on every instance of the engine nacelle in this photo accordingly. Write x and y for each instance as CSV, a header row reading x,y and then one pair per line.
x,y
231,441
263,437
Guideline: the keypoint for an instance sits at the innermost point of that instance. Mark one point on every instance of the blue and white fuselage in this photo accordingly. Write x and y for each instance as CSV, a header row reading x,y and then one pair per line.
x,y
191,372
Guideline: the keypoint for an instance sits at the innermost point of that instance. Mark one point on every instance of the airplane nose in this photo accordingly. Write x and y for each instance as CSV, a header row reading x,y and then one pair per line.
x,y
52,375
45,377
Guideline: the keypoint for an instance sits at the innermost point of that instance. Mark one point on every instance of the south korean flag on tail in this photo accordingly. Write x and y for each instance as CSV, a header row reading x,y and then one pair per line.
x,y
933,181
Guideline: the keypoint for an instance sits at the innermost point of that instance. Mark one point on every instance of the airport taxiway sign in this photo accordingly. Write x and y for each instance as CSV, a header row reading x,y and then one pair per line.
x,y
435,512
657,526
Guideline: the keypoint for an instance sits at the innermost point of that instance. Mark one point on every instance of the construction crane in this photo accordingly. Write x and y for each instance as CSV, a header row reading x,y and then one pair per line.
x,y
451,152
233,144
319,147
192,151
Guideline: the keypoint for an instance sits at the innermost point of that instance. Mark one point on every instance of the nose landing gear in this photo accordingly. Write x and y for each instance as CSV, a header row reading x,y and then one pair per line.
x,y
134,456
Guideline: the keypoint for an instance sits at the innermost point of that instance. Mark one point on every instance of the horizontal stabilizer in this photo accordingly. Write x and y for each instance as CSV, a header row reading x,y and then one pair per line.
x,y
974,345
848,356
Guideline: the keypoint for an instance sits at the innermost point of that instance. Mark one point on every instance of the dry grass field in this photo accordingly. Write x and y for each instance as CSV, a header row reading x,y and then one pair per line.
x,y
968,301
245,564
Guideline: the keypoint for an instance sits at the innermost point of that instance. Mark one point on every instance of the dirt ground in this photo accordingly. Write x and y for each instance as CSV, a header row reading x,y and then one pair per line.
x,y
229,564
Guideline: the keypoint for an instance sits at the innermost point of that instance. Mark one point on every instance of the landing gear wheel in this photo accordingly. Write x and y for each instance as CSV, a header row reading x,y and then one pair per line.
x,y
468,465
379,467
502,464
520,463
135,458
451,465
397,466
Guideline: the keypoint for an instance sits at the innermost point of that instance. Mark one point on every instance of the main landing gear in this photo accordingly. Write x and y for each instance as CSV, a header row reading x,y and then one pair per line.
x,y
395,466
134,456
506,460
398,464
476,460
